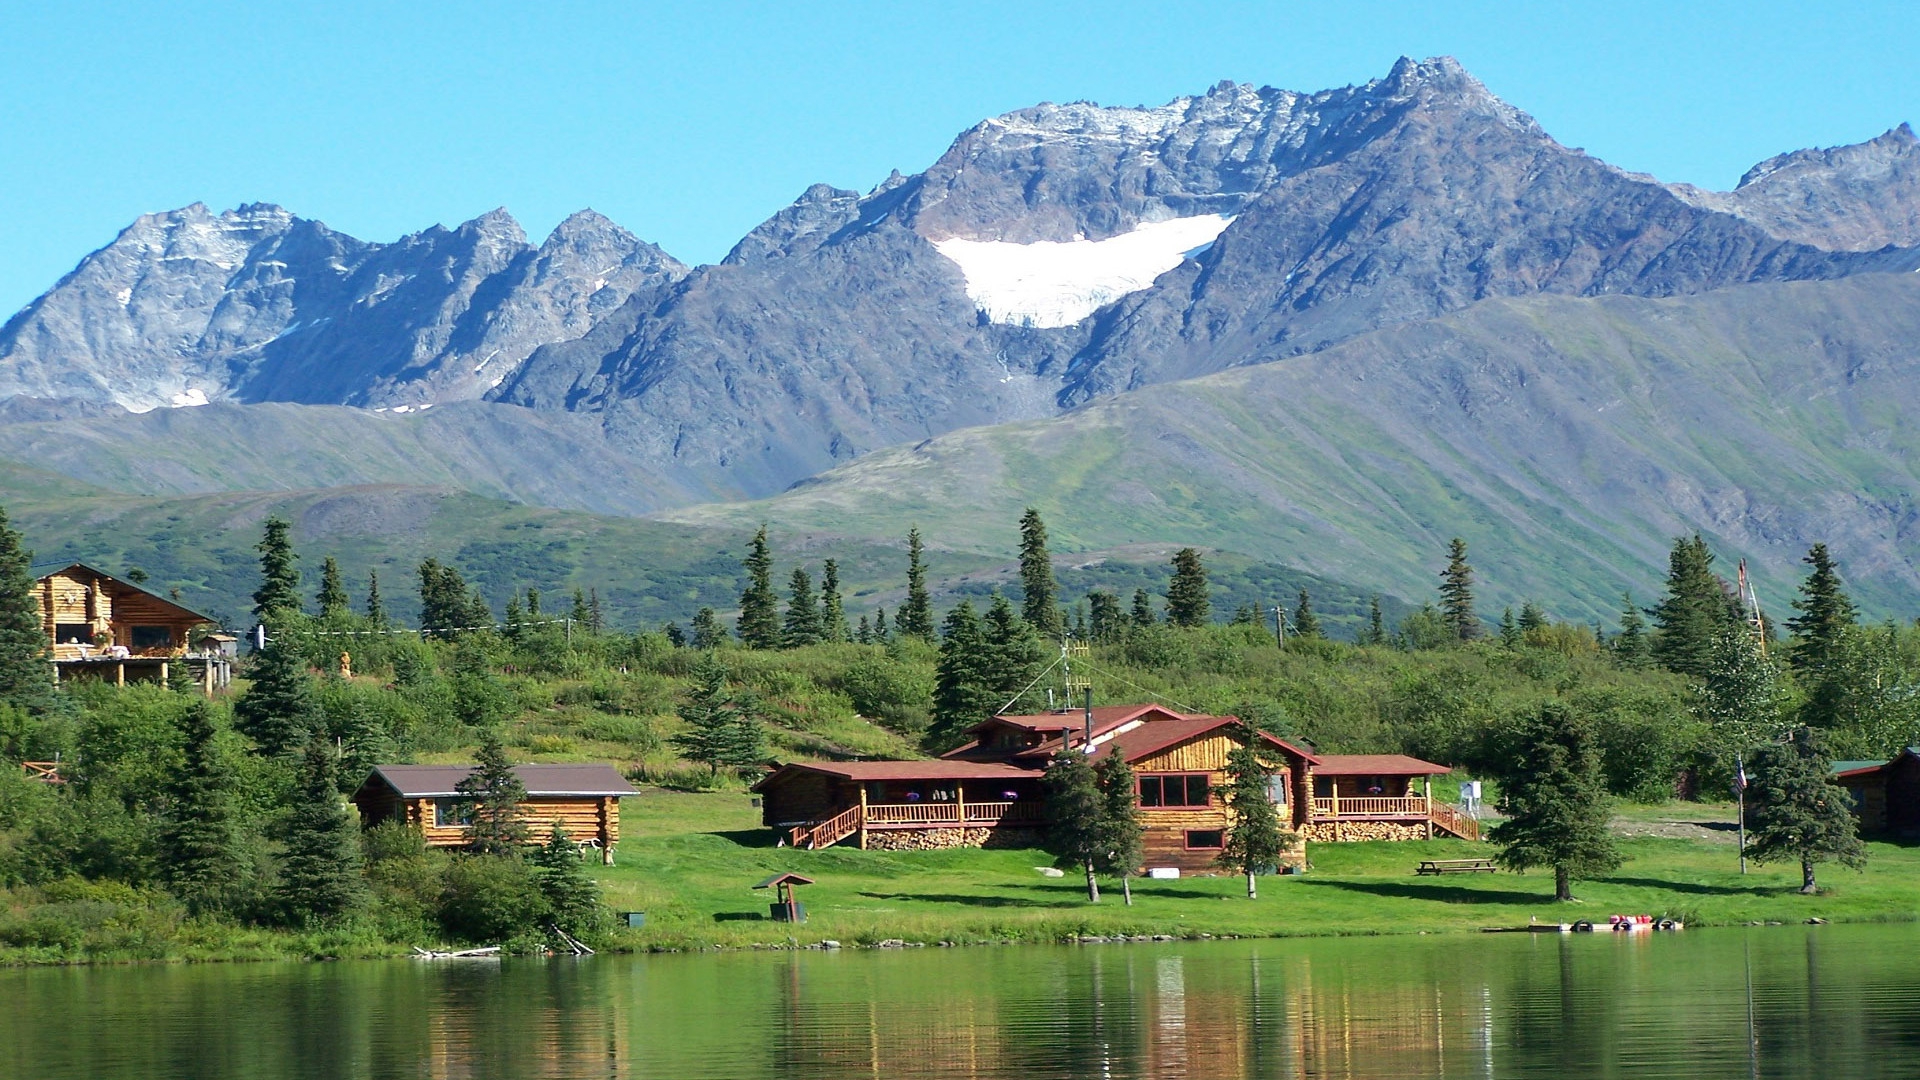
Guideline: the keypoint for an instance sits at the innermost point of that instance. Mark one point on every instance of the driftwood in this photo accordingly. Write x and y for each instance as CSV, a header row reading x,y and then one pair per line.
x,y
491,952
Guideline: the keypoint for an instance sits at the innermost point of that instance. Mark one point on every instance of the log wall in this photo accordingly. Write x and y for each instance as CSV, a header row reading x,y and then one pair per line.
x,y
803,796
583,818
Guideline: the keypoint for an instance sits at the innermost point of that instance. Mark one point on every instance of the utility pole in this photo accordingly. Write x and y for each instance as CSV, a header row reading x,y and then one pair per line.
x,y
1280,625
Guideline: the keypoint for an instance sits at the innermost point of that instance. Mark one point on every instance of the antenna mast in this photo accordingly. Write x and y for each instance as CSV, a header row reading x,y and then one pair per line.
x,y
1751,601
1075,685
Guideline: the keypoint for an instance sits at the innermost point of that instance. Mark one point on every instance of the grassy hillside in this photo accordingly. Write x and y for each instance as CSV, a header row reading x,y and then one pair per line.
x,y
1567,440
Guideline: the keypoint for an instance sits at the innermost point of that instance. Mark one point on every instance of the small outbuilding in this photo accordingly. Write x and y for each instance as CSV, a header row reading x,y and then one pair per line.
x,y
583,799
1886,794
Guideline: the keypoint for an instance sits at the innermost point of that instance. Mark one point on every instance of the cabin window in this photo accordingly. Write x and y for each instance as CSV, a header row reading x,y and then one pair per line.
x,y
1177,789
1205,839
1277,789
452,813
72,633
151,637
1323,787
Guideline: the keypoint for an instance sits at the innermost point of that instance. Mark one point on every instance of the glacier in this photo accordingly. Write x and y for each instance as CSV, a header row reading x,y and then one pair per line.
x,y
1058,283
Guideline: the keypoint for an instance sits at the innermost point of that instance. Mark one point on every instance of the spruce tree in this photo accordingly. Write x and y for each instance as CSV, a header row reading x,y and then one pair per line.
x,y
1305,623
1795,813
1693,612
490,798
1187,590
1509,630
376,611
833,612
1456,593
571,894
1376,631
1531,618
1040,605
963,690
278,710
1142,614
803,612
333,599
1012,656
708,634
596,617
446,606
915,617
712,718
1554,796
197,846
1631,647
320,868
675,636
1826,614
1103,623
863,634
881,634
1073,807
26,676
579,614
1120,847
279,591
759,623
1255,841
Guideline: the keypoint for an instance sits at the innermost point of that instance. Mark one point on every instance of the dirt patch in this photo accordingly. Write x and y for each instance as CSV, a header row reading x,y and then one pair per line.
x,y
1713,832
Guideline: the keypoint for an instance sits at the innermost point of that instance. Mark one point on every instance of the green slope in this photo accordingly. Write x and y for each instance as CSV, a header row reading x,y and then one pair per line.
x,y
1568,440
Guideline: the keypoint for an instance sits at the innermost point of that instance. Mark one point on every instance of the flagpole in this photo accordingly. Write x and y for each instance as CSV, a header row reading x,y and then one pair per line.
x,y
1740,797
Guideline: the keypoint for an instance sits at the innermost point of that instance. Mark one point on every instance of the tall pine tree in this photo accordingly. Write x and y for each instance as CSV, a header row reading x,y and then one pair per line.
x,y
26,678
279,591
1631,648
1795,813
278,710
1376,631
759,623
1187,590
376,610
708,634
1040,604
572,896
320,867
1073,807
1141,616
1012,654
333,599
1456,593
1104,624
1119,843
963,688
803,612
1305,623
915,617
490,799
1694,611
1826,615
198,847
833,610
720,729
1255,841
1555,799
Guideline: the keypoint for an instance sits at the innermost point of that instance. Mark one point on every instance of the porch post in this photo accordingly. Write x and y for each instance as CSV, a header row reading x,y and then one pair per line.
x,y
1426,789
960,800
863,815
119,673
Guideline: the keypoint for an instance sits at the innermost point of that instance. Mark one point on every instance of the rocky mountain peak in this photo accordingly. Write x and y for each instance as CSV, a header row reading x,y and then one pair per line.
x,y
1861,197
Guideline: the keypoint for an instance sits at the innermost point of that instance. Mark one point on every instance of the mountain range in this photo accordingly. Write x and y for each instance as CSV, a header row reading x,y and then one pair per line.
x,y
1324,329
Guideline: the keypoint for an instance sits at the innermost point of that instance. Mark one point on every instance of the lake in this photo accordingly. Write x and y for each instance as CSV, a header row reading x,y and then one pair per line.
x,y
1829,1001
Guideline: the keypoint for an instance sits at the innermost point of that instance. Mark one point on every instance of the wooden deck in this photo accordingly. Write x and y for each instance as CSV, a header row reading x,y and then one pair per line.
x,y
1413,808
924,815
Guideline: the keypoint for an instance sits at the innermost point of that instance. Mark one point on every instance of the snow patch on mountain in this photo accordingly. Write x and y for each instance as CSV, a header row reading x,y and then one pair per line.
x,y
1052,284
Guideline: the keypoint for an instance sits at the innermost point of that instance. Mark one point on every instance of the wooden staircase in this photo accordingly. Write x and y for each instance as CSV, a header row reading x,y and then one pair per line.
x,y
1449,819
829,832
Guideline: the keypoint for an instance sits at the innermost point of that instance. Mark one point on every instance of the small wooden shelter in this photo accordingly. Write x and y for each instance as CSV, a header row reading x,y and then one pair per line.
x,y
102,627
583,799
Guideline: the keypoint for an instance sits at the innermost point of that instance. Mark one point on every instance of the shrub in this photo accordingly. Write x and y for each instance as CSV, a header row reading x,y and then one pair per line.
x,y
490,899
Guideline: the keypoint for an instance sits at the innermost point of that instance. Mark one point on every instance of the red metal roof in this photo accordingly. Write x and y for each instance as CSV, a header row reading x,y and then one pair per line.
x,y
938,769
1105,718
541,781
1376,765
1155,736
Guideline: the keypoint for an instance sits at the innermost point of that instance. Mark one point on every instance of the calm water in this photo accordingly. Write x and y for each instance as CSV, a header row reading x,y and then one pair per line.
x,y
1822,1002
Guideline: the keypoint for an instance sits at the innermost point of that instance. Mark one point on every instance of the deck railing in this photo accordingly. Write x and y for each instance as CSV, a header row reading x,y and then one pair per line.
x,y
1414,806
950,813
1453,820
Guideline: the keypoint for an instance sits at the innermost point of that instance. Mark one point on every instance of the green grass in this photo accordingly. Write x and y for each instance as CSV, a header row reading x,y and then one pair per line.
x,y
690,861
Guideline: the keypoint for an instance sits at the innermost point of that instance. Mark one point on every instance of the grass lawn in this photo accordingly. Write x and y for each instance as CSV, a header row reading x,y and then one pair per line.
x,y
690,860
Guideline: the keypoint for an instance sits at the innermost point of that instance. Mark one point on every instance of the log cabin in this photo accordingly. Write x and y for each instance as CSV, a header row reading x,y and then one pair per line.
x,y
986,793
583,799
1885,795
102,627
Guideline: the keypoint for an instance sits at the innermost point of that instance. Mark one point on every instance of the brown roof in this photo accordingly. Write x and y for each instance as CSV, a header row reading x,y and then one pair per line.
x,y
1151,738
149,593
1376,765
939,769
542,781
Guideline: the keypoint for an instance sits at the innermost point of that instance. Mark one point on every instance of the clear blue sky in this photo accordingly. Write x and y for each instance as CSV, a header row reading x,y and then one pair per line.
x,y
691,122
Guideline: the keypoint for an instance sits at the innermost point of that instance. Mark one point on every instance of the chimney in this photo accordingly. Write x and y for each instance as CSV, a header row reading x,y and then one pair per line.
x,y
1088,718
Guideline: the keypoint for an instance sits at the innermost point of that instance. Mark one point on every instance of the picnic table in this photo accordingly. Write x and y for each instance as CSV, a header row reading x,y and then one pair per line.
x,y
1455,866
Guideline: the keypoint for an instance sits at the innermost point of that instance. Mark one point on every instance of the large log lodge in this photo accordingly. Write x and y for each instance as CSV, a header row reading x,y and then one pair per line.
x,y
104,628
987,792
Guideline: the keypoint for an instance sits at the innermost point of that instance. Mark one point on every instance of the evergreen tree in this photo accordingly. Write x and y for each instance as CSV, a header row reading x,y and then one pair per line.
x,y
26,677
376,611
1142,615
320,870
803,612
1456,593
333,598
1826,615
1040,605
1376,631
863,634
490,799
1305,623
915,617
580,614
1104,624
1187,591
675,636
596,618
963,689
833,612
708,634
516,620
1694,611
198,850
278,711
446,605
1531,618
1012,656
279,591
572,896
1255,841
1554,797
1509,630
1074,836
880,632
1245,615
1795,812
759,623
1120,848
364,742
1631,648
717,731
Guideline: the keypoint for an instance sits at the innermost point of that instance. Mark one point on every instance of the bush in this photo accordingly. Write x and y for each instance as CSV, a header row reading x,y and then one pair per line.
x,y
897,694
490,899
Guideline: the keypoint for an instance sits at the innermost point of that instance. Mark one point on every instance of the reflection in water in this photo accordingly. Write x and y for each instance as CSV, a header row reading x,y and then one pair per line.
x,y
1787,1002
